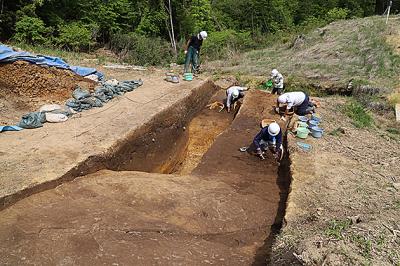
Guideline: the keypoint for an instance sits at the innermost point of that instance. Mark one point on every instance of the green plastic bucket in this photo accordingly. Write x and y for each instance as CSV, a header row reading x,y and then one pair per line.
x,y
188,76
302,124
302,132
269,84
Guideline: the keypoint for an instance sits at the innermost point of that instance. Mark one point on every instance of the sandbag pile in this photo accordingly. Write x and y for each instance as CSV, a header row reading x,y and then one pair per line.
x,y
82,100
52,113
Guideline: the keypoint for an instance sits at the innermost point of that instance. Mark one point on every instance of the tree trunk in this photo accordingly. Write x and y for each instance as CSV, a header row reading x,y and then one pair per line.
x,y
172,34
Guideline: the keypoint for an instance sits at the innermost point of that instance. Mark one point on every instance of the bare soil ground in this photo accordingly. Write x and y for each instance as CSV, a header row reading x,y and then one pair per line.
x,y
344,204
220,215
203,130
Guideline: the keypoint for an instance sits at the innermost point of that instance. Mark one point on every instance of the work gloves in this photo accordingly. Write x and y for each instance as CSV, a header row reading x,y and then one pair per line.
x,y
275,152
260,154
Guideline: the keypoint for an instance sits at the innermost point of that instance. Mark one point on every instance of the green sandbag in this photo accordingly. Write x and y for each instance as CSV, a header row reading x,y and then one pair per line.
x,y
32,120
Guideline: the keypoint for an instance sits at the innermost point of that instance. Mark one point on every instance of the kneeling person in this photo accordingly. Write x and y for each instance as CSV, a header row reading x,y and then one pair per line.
x,y
270,137
233,94
298,100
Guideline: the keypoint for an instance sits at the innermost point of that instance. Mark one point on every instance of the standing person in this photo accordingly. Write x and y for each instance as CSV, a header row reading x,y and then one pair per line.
x,y
270,137
192,51
277,82
233,94
297,99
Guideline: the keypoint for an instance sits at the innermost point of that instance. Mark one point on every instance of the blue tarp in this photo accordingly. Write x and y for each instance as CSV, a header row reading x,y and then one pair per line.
x,y
10,128
8,55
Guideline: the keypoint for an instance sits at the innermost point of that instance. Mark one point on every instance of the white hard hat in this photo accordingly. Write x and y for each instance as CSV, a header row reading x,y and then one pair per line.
x,y
273,129
274,72
203,35
235,93
282,99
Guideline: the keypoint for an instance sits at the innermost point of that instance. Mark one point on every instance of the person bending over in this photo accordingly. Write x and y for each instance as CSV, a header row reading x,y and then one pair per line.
x,y
298,100
269,138
233,94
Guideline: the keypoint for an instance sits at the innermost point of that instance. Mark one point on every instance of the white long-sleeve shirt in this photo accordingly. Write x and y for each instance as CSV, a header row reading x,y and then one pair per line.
x,y
229,93
278,81
292,98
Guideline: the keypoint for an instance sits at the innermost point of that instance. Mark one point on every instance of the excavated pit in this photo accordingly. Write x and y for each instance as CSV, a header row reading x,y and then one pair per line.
x,y
220,205
185,144
170,143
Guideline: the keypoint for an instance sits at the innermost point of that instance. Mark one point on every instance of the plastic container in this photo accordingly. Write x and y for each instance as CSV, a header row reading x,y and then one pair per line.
x,y
188,76
303,118
317,132
302,132
316,117
269,84
302,124
313,123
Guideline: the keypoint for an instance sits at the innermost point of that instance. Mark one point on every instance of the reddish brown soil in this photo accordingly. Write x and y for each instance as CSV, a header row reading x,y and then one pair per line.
x,y
24,87
202,131
221,215
245,172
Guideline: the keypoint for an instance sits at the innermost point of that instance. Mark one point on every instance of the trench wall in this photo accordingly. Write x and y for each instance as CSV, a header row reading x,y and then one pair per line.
x,y
156,146
144,149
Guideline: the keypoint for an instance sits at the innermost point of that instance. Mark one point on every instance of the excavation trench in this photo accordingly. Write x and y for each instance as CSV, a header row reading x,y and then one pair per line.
x,y
219,205
206,144
175,141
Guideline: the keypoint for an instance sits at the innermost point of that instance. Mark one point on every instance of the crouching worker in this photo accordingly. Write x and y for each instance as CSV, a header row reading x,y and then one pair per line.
x,y
298,100
269,138
233,94
277,81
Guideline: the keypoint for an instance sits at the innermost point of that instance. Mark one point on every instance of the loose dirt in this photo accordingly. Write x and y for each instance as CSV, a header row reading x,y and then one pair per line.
x,y
24,87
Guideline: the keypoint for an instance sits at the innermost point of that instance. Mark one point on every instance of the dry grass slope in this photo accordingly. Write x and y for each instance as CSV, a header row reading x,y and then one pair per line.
x,y
343,50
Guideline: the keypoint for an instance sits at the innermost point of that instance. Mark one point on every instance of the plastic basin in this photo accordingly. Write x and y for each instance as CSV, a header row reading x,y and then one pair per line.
x,y
302,132
302,124
303,118
313,123
316,117
317,132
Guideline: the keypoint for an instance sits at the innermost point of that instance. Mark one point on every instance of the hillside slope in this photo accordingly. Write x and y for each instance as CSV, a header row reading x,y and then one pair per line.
x,y
329,56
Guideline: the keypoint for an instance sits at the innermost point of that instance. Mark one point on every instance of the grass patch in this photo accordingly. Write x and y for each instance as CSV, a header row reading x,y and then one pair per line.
x,y
364,243
336,228
361,118
337,132
393,131
396,204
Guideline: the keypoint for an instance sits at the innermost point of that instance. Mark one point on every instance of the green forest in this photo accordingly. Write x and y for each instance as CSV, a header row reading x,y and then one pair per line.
x,y
154,31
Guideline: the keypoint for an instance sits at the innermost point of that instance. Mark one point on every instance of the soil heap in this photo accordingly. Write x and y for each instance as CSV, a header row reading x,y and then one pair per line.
x,y
24,87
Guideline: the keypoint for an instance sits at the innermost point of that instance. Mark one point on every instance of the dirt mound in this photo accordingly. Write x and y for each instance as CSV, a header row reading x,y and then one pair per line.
x,y
24,87
25,79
